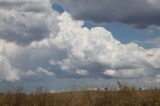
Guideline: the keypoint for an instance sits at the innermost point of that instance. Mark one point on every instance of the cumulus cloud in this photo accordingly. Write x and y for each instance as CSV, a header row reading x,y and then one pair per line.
x,y
39,72
26,21
7,71
70,50
97,51
138,13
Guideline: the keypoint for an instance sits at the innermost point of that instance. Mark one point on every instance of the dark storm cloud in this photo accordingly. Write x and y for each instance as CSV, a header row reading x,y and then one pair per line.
x,y
139,13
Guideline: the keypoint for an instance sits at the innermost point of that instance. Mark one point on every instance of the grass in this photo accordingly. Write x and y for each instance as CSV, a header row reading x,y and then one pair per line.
x,y
124,97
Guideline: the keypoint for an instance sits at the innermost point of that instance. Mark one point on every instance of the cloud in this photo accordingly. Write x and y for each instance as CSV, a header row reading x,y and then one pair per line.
x,y
155,42
96,51
36,6
7,71
72,51
26,21
39,72
138,13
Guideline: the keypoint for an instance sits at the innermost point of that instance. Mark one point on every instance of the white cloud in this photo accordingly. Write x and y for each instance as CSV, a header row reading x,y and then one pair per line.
x,y
7,71
65,64
72,51
43,71
39,72
82,72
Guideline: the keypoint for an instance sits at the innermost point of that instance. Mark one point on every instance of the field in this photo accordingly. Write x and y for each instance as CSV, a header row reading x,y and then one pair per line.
x,y
122,97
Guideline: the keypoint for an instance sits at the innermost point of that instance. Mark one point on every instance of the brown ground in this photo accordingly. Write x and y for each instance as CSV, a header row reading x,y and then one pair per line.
x,y
124,97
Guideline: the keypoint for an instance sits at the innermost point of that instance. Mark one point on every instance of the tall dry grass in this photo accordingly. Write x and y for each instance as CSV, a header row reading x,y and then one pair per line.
x,y
125,96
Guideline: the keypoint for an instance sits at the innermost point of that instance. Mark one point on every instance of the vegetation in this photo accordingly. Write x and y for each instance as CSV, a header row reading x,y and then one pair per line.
x,y
125,96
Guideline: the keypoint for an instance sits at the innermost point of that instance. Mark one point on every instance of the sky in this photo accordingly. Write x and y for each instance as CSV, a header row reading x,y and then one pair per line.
x,y
68,44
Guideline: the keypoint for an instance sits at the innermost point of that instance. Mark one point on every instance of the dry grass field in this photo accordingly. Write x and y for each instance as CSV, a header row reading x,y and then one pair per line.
x,y
123,97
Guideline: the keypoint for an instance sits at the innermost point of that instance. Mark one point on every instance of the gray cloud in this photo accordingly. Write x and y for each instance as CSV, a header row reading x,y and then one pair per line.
x,y
26,21
138,13
26,5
